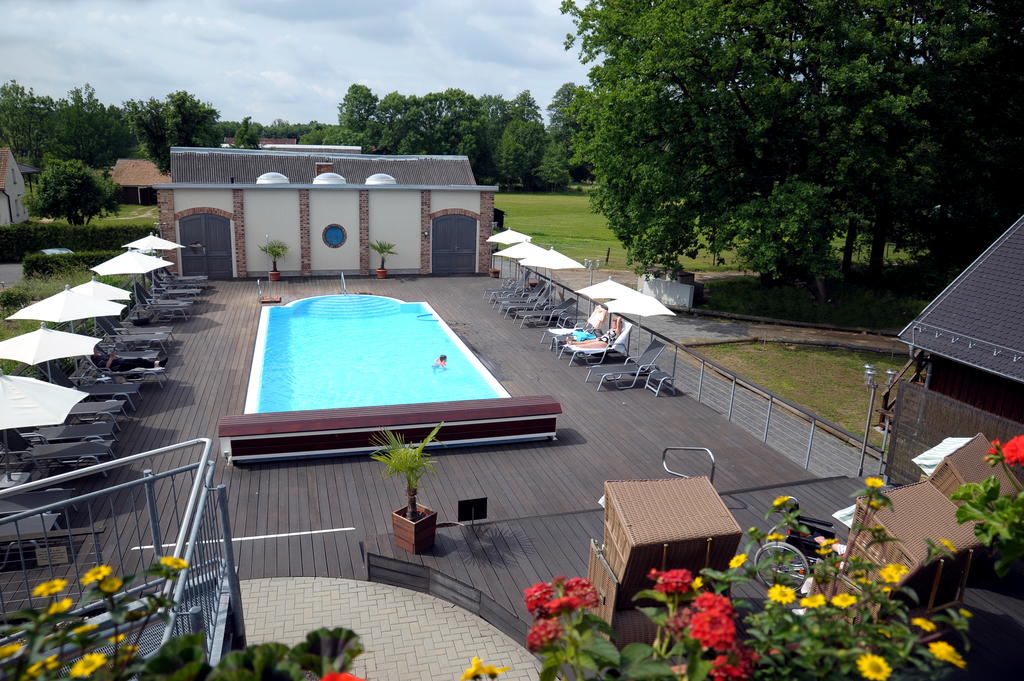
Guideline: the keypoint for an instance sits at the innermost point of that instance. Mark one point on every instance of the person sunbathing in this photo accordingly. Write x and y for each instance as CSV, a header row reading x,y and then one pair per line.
x,y
602,341
110,360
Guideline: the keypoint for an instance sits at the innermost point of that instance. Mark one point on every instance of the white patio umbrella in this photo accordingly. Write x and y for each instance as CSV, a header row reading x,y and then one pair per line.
x,y
152,243
606,290
551,260
67,306
509,236
132,262
640,304
45,344
97,289
522,249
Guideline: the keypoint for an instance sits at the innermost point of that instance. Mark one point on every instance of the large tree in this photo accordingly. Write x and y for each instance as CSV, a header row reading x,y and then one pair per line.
x,y
563,126
69,190
179,121
26,122
769,125
520,152
88,130
247,134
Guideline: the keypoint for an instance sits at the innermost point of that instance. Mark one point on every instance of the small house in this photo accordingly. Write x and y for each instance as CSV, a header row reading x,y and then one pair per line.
x,y
136,178
12,190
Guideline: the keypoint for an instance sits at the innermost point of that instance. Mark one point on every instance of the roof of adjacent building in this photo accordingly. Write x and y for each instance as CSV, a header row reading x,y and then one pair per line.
x,y
132,172
978,319
191,165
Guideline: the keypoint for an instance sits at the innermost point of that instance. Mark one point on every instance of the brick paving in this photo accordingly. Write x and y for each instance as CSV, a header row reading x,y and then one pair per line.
x,y
406,635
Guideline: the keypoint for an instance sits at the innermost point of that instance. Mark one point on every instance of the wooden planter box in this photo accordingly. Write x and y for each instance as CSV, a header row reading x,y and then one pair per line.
x,y
414,537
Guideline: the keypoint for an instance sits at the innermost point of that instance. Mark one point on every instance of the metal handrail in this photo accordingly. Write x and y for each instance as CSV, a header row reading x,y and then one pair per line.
x,y
664,460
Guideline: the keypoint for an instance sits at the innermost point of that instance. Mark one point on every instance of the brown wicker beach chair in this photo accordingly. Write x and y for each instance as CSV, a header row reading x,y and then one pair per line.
x,y
656,524
967,464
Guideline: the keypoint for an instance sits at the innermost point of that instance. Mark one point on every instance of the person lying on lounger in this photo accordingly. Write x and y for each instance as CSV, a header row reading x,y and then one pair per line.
x,y
110,360
602,341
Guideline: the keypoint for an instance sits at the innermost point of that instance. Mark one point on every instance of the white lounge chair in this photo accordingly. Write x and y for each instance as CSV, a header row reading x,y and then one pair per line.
x,y
594,354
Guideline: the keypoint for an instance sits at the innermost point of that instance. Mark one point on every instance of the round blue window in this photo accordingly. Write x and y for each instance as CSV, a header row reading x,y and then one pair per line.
x,y
334,235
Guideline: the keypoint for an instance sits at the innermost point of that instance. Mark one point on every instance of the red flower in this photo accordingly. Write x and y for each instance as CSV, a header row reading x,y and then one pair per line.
x,y
994,449
543,633
1013,451
713,629
677,624
713,602
536,596
563,605
737,664
583,590
672,581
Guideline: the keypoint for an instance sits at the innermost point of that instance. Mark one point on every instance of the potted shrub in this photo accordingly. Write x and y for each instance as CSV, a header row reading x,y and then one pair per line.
x,y
383,249
275,250
414,525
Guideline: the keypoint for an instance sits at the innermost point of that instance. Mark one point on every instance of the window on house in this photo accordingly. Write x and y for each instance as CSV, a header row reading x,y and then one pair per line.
x,y
334,235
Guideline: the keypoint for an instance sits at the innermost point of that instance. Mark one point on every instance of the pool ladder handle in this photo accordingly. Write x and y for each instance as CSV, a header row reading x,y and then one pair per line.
x,y
664,460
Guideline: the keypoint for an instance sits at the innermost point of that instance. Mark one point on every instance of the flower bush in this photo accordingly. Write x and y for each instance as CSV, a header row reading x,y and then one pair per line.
x,y
855,624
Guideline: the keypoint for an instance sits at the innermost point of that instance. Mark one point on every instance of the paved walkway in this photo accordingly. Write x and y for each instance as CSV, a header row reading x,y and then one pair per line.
x,y
10,272
406,635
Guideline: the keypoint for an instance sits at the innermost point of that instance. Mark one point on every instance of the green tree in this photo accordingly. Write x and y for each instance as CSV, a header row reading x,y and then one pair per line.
x,y
520,152
89,131
494,113
179,121
247,135
26,121
523,107
563,126
357,117
553,170
70,191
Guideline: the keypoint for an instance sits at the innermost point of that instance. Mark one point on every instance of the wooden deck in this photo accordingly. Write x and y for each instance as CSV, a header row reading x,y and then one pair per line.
x,y
323,515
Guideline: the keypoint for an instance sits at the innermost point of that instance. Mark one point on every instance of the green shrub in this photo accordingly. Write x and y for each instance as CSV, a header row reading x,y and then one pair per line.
x,y
40,265
13,298
17,241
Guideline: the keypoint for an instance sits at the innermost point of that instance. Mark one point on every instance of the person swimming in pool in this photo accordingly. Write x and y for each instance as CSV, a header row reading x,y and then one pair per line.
x,y
441,363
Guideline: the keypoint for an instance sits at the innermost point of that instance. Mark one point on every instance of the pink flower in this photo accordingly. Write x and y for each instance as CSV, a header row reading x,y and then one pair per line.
x,y
536,596
582,589
672,581
543,633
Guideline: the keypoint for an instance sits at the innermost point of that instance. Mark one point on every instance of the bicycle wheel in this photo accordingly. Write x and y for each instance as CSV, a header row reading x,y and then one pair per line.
x,y
780,563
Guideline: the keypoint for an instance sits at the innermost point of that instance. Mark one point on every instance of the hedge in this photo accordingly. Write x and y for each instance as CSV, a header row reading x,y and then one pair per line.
x,y
42,265
17,241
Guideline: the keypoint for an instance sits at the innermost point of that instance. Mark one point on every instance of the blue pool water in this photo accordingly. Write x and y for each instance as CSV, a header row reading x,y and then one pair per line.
x,y
353,351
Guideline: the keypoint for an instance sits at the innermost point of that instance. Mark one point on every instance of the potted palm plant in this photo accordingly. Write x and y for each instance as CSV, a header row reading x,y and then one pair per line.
x,y
414,525
383,249
275,250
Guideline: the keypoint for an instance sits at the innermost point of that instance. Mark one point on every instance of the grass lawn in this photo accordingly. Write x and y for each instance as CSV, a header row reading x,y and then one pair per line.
x,y
829,382
127,212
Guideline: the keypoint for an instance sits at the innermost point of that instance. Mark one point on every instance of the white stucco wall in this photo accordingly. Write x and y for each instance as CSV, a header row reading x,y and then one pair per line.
x,y
442,200
275,213
12,195
395,217
203,198
337,207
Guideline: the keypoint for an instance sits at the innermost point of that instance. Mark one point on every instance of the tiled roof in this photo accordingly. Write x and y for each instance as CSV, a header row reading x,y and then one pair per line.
x,y
979,319
131,172
4,155
218,166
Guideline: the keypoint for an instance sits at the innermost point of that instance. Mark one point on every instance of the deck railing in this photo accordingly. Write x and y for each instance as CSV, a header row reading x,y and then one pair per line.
x,y
134,517
813,442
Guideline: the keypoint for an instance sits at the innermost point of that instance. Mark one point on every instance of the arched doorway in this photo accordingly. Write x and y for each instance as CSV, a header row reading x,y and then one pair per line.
x,y
453,245
207,241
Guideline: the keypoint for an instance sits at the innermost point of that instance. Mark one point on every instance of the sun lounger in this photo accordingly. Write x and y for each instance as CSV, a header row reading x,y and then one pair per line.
x,y
87,412
509,286
84,432
530,298
567,306
46,458
121,328
29,500
596,354
163,308
635,367
559,334
658,380
129,392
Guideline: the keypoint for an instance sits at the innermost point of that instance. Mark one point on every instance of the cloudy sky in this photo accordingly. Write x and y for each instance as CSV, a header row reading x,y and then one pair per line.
x,y
291,59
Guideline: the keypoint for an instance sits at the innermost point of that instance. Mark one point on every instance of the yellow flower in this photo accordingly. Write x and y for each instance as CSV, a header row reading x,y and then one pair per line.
x,y
893,572
815,601
775,536
885,632
779,501
965,613
9,649
478,669
110,585
828,542
782,594
54,586
948,544
36,668
875,503
874,482
84,629
698,582
97,574
923,624
737,560
873,667
947,653
173,563
129,650
823,551
57,607
493,672
117,639
88,664
843,600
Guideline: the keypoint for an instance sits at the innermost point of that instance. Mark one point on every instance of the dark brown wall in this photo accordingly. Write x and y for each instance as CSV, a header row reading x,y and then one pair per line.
x,y
994,394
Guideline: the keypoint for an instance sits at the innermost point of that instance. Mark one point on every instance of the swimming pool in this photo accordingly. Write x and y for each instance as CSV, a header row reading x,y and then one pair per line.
x,y
354,351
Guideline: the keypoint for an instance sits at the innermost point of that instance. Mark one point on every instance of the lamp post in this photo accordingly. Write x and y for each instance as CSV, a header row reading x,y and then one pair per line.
x,y
591,264
869,380
890,378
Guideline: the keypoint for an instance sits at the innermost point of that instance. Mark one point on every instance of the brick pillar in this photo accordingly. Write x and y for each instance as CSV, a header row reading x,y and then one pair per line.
x,y
165,214
425,231
486,218
238,209
305,252
364,231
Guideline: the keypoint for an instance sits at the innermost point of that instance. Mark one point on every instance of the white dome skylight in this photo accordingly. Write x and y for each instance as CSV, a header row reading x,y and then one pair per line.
x,y
380,178
328,178
272,178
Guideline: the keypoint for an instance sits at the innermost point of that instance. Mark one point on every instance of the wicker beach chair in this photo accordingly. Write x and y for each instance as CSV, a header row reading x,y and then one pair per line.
x,y
967,464
661,524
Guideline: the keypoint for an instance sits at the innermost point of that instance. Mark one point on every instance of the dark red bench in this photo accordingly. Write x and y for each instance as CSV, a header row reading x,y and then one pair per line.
x,y
340,432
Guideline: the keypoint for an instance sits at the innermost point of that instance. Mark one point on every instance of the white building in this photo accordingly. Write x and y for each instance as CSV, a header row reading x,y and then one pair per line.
x,y
12,190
